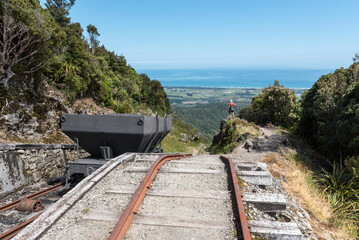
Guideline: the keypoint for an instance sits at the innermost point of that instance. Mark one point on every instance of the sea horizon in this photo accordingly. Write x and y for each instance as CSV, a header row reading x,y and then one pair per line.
x,y
236,77
225,87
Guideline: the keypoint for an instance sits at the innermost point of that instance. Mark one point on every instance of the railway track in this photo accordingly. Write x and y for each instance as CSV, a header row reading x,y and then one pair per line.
x,y
32,196
180,204
28,206
153,196
188,197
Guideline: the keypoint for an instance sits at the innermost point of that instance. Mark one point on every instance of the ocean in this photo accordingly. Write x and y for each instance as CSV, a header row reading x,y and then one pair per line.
x,y
244,78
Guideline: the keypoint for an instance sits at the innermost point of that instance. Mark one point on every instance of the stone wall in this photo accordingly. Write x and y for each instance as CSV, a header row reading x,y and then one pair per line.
x,y
23,164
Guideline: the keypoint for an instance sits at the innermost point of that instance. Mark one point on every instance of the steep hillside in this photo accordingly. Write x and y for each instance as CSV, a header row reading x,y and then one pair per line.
x,y
67,61
184,138
324,122
34,118
232,133
206,117
50,66
329,119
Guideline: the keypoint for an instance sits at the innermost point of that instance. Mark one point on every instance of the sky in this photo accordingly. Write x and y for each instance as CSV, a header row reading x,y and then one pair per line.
x,y
257,34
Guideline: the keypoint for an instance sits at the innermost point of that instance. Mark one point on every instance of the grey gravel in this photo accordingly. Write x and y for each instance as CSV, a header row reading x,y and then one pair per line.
x,y
73,224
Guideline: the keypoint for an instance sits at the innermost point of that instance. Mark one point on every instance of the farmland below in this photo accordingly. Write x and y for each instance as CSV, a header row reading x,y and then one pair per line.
x,y
204,107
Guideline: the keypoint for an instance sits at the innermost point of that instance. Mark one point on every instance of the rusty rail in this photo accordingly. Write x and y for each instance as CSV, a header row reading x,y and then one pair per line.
x,y
238,200
12,232
31,196
127,216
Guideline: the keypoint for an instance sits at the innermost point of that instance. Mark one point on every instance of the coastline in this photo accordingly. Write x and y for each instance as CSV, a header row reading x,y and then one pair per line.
x,y
209,87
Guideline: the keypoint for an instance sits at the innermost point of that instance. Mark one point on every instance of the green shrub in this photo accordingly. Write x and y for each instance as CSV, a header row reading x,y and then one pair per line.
x,y
329,119
276,104
343,194
231,133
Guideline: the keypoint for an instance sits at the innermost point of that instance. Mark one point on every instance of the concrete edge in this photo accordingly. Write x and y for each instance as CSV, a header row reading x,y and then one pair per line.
x,y
24,146
52,214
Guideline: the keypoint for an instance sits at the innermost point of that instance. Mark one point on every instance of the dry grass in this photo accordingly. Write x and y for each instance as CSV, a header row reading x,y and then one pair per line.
x,y
245,127
249,129
297,182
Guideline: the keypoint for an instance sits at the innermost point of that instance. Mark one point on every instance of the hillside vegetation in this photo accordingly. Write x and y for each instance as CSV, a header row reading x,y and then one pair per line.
x,y
50,65
43,45
276,104
204,107
326,120
231,133
206,117
184,138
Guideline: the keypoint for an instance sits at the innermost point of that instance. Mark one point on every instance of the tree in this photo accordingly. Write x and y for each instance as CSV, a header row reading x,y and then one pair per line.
x,y
276,104
329,116
356,58
59,10
93,34
25,34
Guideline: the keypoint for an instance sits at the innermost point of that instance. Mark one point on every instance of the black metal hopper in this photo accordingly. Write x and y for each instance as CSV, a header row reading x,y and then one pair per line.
x,y
121,132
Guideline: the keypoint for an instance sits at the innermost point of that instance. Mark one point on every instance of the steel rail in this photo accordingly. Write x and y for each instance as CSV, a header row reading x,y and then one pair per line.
x,y
128,215
238,200
31,196
12,232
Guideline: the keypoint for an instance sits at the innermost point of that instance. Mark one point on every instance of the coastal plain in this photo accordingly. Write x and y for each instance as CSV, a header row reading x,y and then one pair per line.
x,y
192,96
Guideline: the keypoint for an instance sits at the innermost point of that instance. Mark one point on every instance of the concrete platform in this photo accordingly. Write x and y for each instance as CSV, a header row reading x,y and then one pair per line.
x,y
266,202
275,230
256,177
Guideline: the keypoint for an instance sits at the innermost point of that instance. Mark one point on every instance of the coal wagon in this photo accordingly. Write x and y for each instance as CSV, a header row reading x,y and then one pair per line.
x,y
110,135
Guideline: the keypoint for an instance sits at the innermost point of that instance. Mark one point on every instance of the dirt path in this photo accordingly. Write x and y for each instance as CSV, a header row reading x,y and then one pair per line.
x,y
244,155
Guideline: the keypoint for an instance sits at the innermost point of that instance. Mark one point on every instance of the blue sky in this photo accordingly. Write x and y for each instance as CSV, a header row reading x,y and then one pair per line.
x,y
155,34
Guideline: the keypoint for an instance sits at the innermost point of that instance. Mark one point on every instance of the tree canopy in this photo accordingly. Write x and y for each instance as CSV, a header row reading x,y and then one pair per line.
x,y
329,118
27,36
59,10
45,41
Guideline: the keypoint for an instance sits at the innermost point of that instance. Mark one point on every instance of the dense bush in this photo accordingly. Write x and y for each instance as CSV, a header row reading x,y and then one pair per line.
x,y
276,104
329,119
69,62
329,123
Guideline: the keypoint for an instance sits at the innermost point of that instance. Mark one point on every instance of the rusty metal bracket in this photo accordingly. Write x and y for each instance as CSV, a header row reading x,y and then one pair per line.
x,y
238,205
128,215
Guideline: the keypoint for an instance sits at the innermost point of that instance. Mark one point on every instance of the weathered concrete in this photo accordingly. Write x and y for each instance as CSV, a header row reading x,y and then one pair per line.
x,y
249,166
24,146
275,230
266,202
256,177
12,172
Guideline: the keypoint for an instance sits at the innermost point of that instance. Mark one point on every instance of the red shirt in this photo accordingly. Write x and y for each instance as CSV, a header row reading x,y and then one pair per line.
x,y
231,104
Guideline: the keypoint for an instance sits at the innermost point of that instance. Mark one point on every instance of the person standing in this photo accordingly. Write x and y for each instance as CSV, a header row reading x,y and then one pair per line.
x,y
231,109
